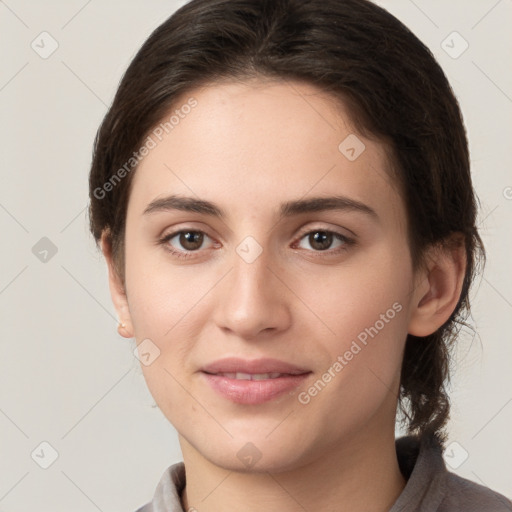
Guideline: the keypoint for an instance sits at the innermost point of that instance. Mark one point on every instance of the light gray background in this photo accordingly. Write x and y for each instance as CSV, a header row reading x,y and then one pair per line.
x,y
67,377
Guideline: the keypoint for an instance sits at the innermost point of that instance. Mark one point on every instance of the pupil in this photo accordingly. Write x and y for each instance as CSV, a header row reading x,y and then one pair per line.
x,y
191,240
321,240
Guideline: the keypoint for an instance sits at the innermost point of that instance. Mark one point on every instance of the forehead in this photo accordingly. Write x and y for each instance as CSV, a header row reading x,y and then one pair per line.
x,y
248,145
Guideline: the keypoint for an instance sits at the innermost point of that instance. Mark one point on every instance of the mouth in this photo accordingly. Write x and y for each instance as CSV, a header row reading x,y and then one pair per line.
x,y
250,376
253,382
262,366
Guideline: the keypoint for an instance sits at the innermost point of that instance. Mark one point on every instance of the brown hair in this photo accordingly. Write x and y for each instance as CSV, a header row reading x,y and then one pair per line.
x,y
360,54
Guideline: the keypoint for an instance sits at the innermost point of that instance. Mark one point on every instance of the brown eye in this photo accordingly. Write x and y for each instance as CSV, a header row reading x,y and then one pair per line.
x,y
185,242
191,240
320,240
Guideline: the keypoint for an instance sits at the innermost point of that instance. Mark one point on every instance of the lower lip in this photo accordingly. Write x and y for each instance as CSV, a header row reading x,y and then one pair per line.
x,y
253,391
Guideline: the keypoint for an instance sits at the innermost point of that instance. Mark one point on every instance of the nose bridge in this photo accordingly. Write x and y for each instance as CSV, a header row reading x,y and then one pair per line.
x,y
250,274
252,300
250,260
250,280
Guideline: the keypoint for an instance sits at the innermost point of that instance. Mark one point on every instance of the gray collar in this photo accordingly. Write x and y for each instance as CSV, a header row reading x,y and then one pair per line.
x,y
421,463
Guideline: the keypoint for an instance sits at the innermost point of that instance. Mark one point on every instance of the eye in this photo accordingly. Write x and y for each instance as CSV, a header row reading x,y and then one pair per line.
x,y
186,242
182,243
322,240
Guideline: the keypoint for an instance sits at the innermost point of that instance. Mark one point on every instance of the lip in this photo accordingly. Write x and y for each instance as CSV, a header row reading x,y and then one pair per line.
x,y
253,392
262,365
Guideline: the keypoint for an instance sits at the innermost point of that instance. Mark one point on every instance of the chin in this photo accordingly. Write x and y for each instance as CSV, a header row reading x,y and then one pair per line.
x,y
255,454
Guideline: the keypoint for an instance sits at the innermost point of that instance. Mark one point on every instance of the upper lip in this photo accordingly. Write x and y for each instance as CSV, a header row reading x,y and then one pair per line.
x,y
263,365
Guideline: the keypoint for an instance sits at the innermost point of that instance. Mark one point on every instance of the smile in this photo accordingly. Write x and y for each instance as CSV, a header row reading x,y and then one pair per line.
x,y
251,376
253,389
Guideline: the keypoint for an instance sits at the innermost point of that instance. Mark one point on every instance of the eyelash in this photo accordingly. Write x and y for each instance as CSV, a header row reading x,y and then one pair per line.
x,y
347,242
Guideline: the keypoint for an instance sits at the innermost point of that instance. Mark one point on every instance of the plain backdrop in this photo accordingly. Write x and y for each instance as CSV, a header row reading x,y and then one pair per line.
x,y
66,377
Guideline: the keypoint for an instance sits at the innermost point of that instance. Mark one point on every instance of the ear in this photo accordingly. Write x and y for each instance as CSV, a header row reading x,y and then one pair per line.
x,y
439,284
117,288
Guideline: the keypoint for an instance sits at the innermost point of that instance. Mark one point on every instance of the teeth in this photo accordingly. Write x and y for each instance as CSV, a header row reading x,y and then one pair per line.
x,y
261,376
251,376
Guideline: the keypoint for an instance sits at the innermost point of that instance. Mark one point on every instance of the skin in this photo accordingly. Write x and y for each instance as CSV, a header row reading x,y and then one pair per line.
x,y
248,147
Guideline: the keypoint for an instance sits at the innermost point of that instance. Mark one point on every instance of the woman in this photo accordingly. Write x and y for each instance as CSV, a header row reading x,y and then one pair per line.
x,y
282,193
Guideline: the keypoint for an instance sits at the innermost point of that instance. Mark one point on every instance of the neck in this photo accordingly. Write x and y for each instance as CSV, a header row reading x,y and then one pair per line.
x,y
339,479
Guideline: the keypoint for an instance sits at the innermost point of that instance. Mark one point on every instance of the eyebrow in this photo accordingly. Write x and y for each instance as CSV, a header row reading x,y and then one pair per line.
x,y
288,209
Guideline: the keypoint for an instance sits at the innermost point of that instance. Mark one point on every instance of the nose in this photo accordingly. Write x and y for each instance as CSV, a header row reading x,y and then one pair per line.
x,y
252,300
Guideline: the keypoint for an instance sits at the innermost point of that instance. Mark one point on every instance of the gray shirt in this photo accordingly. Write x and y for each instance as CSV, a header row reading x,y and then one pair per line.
x,y
430,486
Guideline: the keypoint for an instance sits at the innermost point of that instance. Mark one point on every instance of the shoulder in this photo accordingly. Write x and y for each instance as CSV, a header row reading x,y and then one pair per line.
x,y
167,496
463,494
146,508
431,487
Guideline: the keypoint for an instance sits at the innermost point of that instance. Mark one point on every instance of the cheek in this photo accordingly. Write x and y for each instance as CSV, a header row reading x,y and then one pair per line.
x,y
161,293
368,290
163,312
366,310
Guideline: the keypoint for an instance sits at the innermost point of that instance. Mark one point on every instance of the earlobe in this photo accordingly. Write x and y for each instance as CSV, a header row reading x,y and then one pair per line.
x,y
125,330
117,289
439,288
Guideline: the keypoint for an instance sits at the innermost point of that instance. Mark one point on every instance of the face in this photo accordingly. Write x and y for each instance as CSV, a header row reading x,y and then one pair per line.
x,y
308,265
